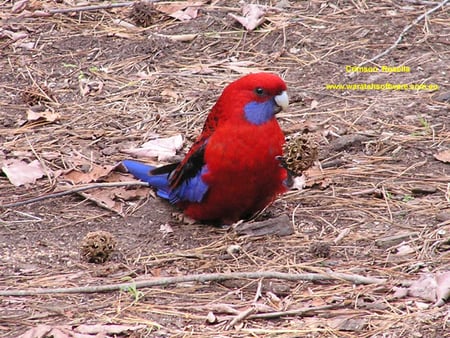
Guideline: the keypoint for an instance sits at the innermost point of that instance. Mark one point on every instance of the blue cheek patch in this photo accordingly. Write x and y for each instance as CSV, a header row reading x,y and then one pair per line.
x,y
192,190
260,112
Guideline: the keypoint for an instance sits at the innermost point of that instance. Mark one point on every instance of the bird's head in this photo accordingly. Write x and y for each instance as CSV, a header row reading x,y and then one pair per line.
x,y
259,96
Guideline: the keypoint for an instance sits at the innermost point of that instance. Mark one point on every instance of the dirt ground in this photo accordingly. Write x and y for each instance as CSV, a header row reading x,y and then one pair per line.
x,y
376,204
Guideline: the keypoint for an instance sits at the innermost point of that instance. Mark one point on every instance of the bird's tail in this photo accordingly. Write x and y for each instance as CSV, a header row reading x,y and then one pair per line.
x,y
142,171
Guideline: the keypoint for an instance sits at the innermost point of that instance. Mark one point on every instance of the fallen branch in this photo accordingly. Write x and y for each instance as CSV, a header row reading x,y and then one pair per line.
x,y
202,278
75,189
91,8
241,317
403,33
294,312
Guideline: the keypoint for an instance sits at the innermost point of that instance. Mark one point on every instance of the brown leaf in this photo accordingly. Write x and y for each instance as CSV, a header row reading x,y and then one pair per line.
x,y
82,331
19,6
90,87
43,331
111,329
443,287
165,228
15,36
20,172
314,176
131,194
349,323
253,16
105,199
433,287
96,172
47,115
443,156
161,148
183,10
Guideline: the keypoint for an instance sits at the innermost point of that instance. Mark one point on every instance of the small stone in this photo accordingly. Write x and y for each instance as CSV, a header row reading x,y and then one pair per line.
x,y
211,318
233,249
423,190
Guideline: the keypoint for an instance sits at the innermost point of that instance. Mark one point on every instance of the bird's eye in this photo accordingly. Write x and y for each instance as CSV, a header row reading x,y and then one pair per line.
x,y
259,91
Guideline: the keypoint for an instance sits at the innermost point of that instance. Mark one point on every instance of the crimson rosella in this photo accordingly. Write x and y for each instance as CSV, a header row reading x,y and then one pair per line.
x,y
233,169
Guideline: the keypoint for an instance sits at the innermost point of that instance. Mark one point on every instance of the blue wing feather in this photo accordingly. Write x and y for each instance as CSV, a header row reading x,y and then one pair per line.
x,y
192,189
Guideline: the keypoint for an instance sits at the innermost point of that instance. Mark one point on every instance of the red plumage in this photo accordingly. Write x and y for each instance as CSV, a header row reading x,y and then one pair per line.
x,y
233,168
244,174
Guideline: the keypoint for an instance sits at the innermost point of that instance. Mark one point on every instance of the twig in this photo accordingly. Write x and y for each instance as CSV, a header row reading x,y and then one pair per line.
x,y
258,291
294,312
91,8
421,2
240,317
202,278
403,33
50,12
71,191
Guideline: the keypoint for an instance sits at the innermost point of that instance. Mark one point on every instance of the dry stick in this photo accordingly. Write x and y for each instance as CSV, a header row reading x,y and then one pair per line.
x,y
71,191
241,317
91,8
294,312
403,33
202,278
86,8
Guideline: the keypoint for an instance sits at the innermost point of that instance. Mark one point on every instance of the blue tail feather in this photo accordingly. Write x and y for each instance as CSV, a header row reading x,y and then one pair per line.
x,y
142,171
192,189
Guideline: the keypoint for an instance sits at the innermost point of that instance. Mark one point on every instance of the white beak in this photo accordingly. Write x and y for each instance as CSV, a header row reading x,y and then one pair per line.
x,y
282,100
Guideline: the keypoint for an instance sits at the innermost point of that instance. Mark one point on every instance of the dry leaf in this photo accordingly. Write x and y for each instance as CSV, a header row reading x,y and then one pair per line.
x,y
404,250
431,287
349,323
96,172
253,16
424,288
112,329
43,331
47,115
183,10
274,301
314,176
82,331
161,148
314,104
105,199
19,6
299,183
166,229
443,287
131,194
108,198
170,93
91,88
25,45
443,156
15,36
20,172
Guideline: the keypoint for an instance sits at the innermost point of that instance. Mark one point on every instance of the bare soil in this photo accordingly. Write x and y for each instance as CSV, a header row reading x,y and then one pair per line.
x,y
378,175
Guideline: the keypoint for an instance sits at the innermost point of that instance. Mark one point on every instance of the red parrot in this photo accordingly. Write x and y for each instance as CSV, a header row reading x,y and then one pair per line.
x,y
233,169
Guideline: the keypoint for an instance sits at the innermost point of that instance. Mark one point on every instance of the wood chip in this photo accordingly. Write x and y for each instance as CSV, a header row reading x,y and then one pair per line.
x,y
280,226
